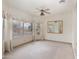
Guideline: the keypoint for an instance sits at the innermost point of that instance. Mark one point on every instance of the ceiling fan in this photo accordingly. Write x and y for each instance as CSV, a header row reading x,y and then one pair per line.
x,y
43,11
62,1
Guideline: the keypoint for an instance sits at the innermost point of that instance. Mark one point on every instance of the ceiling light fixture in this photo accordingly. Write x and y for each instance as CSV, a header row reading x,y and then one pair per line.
x,y
43,11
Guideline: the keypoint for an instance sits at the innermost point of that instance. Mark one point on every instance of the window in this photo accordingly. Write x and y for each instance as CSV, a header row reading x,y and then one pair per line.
x,y
55,27
27,27
21,28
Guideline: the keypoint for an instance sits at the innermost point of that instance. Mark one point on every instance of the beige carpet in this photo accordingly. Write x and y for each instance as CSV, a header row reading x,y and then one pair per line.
x,y
42,50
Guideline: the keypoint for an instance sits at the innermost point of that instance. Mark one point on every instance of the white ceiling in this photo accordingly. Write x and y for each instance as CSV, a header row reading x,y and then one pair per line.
x,y
31,5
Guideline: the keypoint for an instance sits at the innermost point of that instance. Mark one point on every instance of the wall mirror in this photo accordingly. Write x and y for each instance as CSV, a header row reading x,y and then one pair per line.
x,y
55,27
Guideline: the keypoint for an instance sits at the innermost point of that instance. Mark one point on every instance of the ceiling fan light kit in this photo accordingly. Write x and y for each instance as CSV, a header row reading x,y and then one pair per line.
x,y
42,14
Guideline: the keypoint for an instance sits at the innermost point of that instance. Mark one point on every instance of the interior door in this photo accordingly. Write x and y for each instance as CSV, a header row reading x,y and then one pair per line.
x,y
38,33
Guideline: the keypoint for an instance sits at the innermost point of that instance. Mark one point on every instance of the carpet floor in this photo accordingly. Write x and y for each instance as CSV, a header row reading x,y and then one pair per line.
x,y
42,50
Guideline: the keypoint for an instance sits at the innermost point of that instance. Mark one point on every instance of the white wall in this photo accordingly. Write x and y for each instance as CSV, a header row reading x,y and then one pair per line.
x,y
74,33
22,40
20,16
67,28
23,17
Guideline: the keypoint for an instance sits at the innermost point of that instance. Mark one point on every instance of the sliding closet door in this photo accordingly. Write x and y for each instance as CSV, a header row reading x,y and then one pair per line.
x,y
22,32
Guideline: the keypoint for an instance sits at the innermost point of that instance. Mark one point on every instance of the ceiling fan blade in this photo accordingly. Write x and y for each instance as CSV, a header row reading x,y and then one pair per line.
x,y
47,12
47,9
61,1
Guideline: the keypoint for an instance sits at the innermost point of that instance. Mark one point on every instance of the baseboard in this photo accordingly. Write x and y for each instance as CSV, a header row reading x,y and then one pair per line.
x,y
59,41
43,40
54,41
23,44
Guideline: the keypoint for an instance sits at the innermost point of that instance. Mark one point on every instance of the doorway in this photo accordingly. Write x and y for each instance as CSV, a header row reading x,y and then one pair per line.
x,y
38,31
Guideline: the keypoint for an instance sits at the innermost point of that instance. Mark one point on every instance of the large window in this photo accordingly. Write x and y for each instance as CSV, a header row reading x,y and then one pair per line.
x,y
21,28
55,27
27,27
